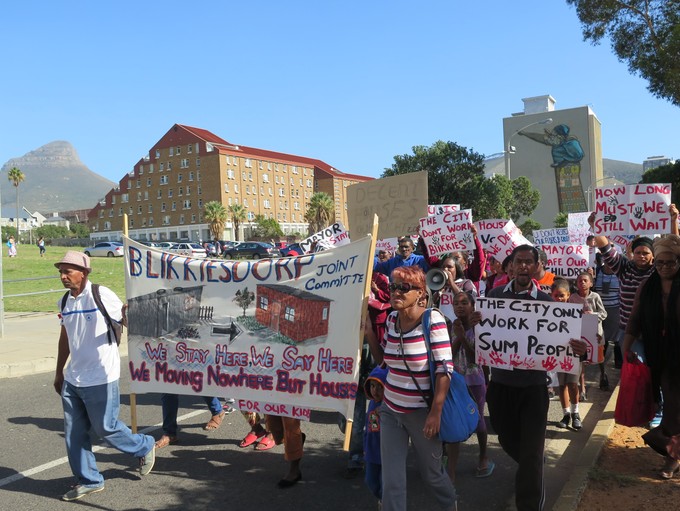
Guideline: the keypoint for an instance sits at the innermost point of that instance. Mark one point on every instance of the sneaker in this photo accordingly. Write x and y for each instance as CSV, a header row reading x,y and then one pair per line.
x,y
228,409
576,421
146,462
78,492
564,423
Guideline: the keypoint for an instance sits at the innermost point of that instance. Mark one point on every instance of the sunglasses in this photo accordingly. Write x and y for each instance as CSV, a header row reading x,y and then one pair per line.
x,y
404,287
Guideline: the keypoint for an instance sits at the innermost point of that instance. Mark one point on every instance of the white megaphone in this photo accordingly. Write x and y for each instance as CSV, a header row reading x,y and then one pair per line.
x,y
436,279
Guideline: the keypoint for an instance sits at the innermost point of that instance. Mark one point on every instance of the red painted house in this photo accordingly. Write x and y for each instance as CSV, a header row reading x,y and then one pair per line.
x,y
295,313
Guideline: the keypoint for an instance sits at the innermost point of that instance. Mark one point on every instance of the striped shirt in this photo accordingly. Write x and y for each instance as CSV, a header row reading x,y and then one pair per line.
x,y
630,278
401,393
607,286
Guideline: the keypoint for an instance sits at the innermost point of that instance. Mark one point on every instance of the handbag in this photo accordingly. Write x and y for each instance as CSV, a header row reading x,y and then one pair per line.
x,y
459,416
635,404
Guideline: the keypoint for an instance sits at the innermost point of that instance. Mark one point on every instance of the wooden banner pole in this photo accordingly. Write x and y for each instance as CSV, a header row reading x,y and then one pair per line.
x,y
364,318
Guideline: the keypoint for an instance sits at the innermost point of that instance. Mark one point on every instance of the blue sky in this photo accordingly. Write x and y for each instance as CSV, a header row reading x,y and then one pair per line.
x,y
352,83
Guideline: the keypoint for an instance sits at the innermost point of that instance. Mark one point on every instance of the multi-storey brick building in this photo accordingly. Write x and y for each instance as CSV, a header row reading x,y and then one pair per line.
x,y
164,195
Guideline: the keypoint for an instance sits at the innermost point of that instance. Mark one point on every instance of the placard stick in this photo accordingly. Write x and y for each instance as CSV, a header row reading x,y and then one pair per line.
x,y
133,396
364,318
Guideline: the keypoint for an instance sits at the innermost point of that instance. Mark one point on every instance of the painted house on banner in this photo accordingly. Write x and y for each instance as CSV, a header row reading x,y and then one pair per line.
x,y
295,313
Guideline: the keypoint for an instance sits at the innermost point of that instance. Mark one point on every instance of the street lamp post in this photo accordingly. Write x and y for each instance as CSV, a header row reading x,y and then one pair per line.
x,y
590,190
510,149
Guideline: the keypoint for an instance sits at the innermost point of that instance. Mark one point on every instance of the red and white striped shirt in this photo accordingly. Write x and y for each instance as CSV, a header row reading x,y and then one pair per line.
x,y
401,393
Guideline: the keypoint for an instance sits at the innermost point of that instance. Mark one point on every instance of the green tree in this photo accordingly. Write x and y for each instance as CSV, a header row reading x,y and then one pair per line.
x,y
529,226
238,215
665,174
79,230
244,298
456,176
216,215
53,231
645,34
454,172
267,228
561,220
320,212
16,177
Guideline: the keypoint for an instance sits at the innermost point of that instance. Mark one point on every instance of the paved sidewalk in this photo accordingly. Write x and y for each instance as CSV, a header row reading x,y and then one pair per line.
x,y
29,344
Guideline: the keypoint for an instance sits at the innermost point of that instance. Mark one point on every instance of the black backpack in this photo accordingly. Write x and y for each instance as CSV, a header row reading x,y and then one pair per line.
x,y
114,326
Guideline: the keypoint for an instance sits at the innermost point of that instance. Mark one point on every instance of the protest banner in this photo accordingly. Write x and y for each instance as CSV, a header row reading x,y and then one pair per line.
x,y
389,244
554,236
567,261
527,334
278,335
589,336
500,237
438,209
640,209
399,201
578,227
334,235
447,232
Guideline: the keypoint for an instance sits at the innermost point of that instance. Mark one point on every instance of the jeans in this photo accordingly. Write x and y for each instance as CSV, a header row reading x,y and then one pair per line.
x,y
356,440
374,479
95,409
170,406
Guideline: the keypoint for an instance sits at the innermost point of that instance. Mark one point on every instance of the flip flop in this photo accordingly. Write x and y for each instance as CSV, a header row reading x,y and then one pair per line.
x,y
166,440
265,444
251,438
486,472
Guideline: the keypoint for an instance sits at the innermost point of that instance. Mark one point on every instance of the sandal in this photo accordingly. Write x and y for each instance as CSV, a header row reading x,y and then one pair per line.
x,y
265,444
166,440
215,421
486,471
252,438
669,469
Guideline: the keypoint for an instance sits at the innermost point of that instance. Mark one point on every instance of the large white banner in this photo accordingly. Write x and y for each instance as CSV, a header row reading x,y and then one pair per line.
x,y
447,232
528,334
281,336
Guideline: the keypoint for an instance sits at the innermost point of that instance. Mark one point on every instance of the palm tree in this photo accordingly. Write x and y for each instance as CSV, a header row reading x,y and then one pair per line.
x,y
216,215
238,215
15,177
321,212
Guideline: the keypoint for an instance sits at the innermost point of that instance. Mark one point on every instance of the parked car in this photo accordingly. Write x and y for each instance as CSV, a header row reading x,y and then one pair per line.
x,y
293,246
165,245
105,249
252,250
226,244
188,249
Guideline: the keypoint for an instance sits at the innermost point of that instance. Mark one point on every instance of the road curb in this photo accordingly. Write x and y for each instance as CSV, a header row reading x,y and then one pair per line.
x,y
571,493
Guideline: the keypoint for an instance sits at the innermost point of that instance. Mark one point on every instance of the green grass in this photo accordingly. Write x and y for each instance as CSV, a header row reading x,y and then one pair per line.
x,y
601,475
29,265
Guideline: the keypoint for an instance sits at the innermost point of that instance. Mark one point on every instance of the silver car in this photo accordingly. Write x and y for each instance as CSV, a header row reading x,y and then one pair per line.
x,y
105,249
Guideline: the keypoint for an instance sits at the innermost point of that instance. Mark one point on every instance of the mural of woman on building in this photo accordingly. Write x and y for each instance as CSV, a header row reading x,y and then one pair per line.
x,y
567,154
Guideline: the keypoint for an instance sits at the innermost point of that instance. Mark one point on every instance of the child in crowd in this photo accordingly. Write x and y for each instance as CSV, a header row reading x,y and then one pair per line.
x,y
569,392
463,350
374,388
592,304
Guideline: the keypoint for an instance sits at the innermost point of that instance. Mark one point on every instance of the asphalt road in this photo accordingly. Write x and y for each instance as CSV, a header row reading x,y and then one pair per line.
x,y
208,469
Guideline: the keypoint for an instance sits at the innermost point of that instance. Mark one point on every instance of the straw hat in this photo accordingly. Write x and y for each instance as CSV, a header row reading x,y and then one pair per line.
x,y
75,258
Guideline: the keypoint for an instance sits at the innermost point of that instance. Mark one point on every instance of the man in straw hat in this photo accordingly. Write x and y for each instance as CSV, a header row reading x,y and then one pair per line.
x,y
88,385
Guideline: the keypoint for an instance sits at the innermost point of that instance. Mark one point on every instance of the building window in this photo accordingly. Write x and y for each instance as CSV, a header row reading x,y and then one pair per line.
x,y
120,211
151,222
254,201
161,167
193,219
226,187
290,314
179,178
166,220
139,183
159,194
248,163
158,153
265,178
163,207
198,162
150,208
181,219
235,188
230,174
151,168
171,151
148,182
191,176
169,165
146,195
260,164
245,203
187,204
170,193
139,209
139,196
164,180
264,303
178,150
324,314
250,176
200,203
125,197
174,206
190,149
188,190
184,163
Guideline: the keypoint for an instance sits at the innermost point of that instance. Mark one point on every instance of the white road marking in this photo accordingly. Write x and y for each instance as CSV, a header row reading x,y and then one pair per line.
x,y
55,463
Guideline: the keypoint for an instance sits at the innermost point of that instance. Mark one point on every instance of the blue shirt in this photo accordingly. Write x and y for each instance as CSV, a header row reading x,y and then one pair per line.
x,y
387,267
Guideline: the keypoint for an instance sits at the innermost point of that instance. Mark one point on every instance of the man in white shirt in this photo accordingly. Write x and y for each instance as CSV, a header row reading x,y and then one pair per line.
x,y
88,385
